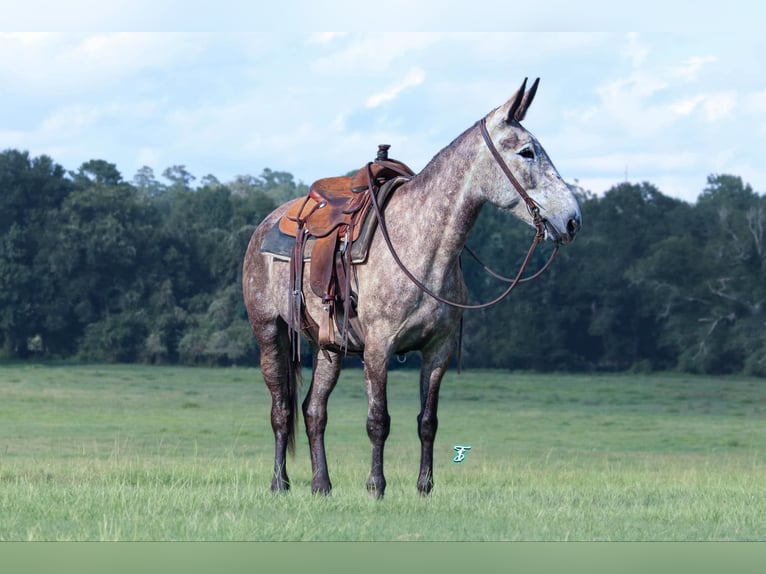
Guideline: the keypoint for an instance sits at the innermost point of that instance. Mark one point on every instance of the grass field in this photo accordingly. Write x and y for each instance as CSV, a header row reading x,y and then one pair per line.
x,y
172,453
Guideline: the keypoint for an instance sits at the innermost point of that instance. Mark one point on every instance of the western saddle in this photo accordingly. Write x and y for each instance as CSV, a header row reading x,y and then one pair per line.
x,y
333,217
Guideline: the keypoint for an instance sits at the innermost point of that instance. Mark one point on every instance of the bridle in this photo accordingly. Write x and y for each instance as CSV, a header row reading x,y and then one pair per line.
x,y
537,220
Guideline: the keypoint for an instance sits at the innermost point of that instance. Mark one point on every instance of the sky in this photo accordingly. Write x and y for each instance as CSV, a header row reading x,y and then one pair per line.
x,y
667,107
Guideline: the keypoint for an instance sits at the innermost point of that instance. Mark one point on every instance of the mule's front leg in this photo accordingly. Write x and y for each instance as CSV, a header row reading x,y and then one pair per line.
x,y
378,421
325,375
279,481
434,366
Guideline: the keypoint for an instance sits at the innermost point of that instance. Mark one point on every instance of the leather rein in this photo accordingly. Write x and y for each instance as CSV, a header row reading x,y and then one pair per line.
x,y
537,220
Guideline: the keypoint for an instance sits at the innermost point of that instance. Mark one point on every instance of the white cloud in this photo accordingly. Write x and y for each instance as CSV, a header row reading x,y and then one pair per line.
x,y
364,55
690,69
71,119
25,38
652,117
639,162
123,54
635,50
719,106
713,107
755,102
13,138
78,63
149,156
414,78
326,37
319,104
686,106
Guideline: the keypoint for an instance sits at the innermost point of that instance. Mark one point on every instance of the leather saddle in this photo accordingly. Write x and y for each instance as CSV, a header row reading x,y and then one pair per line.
x,y
335,201
332,219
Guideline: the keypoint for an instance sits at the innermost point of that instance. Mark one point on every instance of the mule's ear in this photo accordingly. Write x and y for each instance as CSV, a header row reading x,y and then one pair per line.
x,y
526,102
515,101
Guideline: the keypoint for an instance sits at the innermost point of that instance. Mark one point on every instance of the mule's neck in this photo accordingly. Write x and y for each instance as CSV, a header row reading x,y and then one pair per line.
x,y
445,198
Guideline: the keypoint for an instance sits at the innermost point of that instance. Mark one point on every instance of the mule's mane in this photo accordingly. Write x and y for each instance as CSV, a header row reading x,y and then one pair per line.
x,y
438,162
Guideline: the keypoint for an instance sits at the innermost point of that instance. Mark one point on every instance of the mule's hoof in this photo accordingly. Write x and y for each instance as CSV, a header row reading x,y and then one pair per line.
x,y
424,489
374,493
278,485
321,489
376,488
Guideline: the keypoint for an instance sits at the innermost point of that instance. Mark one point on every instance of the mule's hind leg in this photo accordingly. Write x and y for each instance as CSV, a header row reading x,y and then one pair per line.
x,y
323,380
435,363
275,351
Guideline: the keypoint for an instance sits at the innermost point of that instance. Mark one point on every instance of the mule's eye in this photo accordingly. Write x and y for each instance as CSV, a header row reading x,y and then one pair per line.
x,y
527,153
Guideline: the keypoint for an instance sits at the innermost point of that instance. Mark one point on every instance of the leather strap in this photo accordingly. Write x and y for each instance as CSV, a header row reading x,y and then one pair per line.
x,y
534,210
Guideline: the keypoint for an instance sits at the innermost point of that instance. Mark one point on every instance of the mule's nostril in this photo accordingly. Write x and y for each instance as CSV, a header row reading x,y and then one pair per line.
x,y
573,226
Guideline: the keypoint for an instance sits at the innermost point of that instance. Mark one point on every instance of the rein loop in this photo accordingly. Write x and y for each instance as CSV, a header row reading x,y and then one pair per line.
x,y
537,219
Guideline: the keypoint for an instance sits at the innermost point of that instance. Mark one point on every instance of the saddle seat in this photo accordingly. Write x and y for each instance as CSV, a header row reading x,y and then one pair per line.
x,y
332,216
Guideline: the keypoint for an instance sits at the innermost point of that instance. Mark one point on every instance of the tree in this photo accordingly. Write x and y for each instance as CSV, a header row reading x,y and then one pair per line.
x,y
92,266
31,192
97,171
178,177
103,256
729,299
146,183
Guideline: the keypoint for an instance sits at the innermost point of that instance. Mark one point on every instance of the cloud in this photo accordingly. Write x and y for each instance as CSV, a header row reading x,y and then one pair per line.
x,y
663,113
652,95
326,37
639,161
365,55
318,104
635,50
755,102
414,78
713,107
80,63
690,69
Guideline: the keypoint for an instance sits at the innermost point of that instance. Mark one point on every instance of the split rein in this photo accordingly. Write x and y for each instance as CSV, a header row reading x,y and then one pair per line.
x,y
537,219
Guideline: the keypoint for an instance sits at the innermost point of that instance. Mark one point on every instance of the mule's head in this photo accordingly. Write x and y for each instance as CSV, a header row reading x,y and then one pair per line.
x,y
531,167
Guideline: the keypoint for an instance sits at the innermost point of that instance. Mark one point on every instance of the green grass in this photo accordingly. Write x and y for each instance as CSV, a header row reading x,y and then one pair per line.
x,y
171,453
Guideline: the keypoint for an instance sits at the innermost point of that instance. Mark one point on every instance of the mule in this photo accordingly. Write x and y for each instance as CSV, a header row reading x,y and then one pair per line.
x,y
428,220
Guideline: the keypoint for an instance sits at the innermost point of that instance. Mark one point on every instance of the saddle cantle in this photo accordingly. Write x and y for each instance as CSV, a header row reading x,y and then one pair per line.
x,y
331,229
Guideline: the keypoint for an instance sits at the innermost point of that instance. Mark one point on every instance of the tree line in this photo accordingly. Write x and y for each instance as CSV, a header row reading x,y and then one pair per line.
x,y
97,268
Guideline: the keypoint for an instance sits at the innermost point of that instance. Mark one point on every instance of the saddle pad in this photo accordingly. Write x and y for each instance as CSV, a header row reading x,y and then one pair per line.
x,y
279,245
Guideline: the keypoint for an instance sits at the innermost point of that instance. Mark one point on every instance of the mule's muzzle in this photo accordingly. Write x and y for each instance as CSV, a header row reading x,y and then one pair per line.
x,y
564,233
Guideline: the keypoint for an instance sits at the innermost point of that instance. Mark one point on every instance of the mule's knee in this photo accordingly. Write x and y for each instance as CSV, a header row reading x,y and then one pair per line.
x,y
315,419
427,427
378,426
